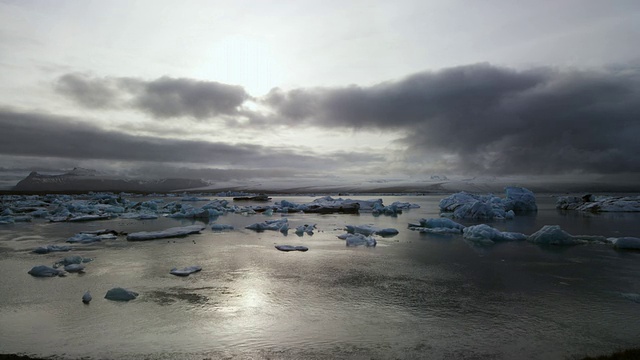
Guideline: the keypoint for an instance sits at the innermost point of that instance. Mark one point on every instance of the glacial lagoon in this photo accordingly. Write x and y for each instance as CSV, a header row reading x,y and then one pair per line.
x,y
414,295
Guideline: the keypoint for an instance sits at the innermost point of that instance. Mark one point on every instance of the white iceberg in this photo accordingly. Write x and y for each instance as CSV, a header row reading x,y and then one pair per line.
x,y
486,234
186,271
120,294
45,271
167,233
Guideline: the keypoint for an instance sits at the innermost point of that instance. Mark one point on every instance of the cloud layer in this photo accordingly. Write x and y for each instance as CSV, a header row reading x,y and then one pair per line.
x,y
489,119
162,98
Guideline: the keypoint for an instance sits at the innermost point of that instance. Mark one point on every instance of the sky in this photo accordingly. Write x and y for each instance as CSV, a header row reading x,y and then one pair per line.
x,y
233,90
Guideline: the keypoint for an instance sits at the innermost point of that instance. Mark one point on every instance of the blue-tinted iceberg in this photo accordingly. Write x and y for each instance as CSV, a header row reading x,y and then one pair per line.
x,y
221,227
86,298
488,235
281,225
554,235
120,294
440,226
51,248
45,271
463,205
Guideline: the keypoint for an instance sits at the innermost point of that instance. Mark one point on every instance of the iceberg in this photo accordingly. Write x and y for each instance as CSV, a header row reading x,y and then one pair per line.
x,y
358,239
86,298
74,268
463,205
439,226
554,235
167,233
486,234
300,230
626,243
370,230
291,248
221,227
45,271
51,248
185,271
69,260
281,225
120,294
596,204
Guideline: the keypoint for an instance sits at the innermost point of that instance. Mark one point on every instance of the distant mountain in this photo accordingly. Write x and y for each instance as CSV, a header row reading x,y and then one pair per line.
x,y
80,179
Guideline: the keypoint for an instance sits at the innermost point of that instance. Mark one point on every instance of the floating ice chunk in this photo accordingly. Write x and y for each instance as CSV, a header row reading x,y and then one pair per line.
x,y
45,271
520,199
486,234
51,248
85,238
631,296
186,271
435,223
79,218
275,225
167,233
120,294
291,248
8,219
358,239
86,298
221,227
300,230
370,230
73,268
631,243
606,204
554,235
72,260
138,216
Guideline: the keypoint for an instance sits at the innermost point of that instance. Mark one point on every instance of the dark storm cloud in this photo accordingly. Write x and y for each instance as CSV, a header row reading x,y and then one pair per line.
x,y
29,134
162,98
484,118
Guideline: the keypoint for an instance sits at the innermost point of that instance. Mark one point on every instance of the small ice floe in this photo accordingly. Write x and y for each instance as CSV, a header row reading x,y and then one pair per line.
x,y
291,248
167,233
306,228
80,218
485,234
626,243
554,235
281,225
185,271
370,230
69,260
88,238
45,271
86,298
440,226
120,294
74,268
599,204
631,296
358,239
221,227
51,248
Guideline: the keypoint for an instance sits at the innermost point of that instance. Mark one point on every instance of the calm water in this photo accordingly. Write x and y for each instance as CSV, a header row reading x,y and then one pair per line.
x,y
413,296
